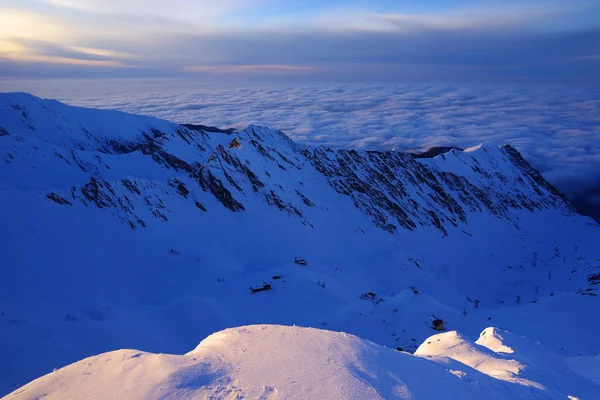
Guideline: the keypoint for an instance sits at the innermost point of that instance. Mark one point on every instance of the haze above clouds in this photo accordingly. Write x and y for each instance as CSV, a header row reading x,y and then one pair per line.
x,y
541,40
556,127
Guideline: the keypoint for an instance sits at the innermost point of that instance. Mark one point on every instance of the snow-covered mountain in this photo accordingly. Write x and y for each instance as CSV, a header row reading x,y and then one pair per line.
x,y
270,361
122,231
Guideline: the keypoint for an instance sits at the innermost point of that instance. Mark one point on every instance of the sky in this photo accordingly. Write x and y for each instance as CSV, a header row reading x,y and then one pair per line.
x,y
387,40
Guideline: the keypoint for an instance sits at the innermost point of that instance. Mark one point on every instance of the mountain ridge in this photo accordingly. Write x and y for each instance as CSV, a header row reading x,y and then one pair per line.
x,y
341,168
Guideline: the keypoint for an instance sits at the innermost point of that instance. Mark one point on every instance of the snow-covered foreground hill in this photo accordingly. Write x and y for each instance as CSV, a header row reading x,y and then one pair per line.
x,y
271,361
122,231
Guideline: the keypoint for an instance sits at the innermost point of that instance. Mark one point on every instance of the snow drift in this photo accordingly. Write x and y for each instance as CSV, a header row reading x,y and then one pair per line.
x,y
270,361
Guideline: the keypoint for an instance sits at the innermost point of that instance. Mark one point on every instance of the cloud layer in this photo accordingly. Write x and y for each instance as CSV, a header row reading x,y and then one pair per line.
x,y
557,128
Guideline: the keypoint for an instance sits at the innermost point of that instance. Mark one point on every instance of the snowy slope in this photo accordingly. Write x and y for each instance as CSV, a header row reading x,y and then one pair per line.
x,y
270,361
511,358
118,232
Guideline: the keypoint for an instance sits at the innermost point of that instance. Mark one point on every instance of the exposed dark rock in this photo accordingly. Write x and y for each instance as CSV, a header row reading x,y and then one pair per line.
x,y
434,152
181,134
227,157
84,165
171,161
211,183
156,133
179,186
119,147
157,207
305,199
286,160
3,132
58,199
261,150
57,154
130,186
233,182
274,200
204,128
97,192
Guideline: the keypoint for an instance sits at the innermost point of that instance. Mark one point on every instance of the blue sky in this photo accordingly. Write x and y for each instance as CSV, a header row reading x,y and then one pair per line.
x,y
395,40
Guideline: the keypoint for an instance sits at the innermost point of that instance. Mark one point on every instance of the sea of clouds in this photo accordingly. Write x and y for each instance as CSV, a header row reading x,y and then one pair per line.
x,y
555,127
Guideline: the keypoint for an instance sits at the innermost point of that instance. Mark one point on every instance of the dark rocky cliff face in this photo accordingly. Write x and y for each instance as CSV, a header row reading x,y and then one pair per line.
x,y
395,190
399,191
